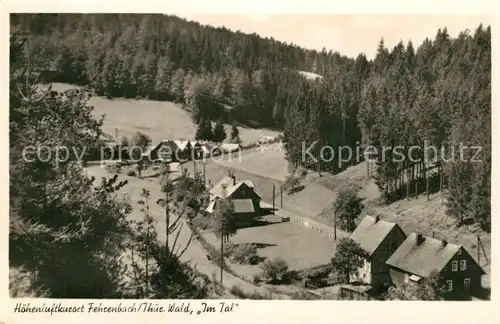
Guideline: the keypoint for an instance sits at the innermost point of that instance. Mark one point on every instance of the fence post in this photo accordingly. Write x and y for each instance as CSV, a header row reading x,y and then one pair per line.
x,y
281,195
274,198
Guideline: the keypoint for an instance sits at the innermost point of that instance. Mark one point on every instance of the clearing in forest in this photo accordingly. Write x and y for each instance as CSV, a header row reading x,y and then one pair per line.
x,y
158,119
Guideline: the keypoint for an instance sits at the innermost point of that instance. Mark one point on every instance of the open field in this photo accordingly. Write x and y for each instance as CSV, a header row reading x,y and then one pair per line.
x,y
310,201
355,177
268,161
195,252
158,119
299,247
215,172
268,167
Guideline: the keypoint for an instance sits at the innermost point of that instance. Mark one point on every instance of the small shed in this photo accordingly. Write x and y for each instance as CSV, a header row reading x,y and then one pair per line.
x,y
230,147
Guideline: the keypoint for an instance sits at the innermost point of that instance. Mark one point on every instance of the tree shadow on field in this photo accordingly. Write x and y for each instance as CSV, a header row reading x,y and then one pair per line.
x,y
296,189
263,245
258,223
267,211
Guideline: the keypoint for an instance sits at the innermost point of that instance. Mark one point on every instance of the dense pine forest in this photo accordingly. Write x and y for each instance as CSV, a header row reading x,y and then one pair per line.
x,y
435,94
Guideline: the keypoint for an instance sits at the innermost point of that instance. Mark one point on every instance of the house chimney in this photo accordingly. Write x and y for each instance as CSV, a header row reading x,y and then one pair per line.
x,y
420,239
224,192
377,218
234,180
445,242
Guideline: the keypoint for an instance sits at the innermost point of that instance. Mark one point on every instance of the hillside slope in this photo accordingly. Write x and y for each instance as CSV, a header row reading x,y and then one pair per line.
x,y
414,215
158,119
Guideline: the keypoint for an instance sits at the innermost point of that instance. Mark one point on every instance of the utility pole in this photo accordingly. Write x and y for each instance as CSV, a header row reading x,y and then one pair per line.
x,y
478,252
167,209
442,185
148,224
222,239
335,225
221,255
281,196
274,198
204,175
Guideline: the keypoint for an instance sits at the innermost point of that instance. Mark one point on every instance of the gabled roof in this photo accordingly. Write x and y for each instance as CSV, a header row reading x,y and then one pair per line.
x,y
424,258
249,183
231,187
229,147
150,148
181,144
218,191
265,139
154,147
370,233
239,205
174,145
211,206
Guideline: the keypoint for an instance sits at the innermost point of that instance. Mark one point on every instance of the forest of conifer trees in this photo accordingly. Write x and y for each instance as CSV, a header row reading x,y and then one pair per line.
x,y
437,94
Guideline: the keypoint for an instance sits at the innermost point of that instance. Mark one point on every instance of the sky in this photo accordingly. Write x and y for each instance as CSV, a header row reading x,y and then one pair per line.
x,y
348,34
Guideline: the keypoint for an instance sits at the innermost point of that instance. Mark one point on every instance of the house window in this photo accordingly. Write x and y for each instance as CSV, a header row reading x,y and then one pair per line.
x,y
406,278
449,284
467,283
454,266
463,265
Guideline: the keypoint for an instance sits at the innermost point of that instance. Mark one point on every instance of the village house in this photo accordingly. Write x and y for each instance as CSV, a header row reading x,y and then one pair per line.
x,y
196,150
227,111
380,239
183,150
420,255
245,200
267,139
206,150
230,147
169,151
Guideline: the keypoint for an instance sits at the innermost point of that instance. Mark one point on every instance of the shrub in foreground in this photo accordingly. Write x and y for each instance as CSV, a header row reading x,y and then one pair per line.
x,y
245,254
275,270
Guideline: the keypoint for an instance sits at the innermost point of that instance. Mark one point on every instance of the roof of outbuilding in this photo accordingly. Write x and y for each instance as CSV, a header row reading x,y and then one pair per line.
x,y
370,233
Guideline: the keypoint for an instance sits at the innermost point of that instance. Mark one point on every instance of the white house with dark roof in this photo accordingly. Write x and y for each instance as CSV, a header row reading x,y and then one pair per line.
x,y
379,239
230,147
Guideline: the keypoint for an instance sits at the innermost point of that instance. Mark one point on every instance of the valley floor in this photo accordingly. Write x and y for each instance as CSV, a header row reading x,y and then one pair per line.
x,y
267,167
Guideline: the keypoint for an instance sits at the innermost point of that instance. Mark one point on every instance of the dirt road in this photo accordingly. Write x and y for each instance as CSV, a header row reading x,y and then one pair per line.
x,y
195,253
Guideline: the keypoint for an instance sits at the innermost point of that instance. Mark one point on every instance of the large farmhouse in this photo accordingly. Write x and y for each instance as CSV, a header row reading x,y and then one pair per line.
x,y
420,255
